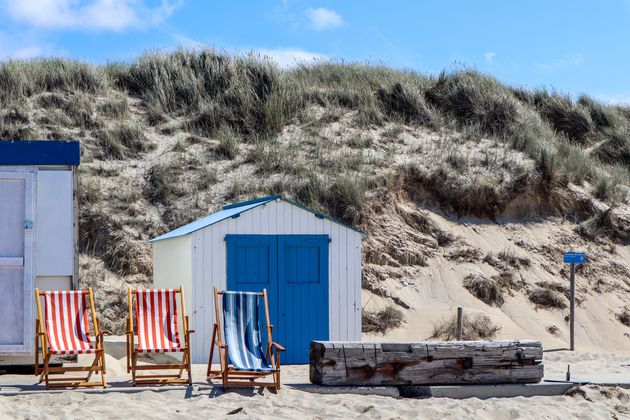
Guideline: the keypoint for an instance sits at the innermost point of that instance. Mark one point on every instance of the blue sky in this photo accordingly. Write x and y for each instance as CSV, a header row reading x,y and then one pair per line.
x,y
573,46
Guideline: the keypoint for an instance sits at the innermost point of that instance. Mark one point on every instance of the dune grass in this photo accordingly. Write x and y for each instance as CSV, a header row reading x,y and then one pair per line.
x,y
239,100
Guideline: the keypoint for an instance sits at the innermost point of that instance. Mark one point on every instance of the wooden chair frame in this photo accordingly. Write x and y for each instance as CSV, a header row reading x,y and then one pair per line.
x,y
132,353
41,345
229,375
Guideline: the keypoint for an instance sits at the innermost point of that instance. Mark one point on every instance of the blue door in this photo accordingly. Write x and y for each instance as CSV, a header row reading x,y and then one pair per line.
x,y
294,270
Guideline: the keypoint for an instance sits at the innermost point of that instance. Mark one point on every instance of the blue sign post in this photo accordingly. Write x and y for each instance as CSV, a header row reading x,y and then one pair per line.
x,y
573,258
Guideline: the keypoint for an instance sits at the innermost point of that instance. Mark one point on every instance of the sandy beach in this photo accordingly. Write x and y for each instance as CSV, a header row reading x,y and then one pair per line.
x,y
203,401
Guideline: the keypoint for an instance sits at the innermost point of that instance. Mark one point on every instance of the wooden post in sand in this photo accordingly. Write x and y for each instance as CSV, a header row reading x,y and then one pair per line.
x,y
460,316
572,307
573,258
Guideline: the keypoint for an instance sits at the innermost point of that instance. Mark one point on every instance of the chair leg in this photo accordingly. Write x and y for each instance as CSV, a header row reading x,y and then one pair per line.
x,y
212,343
37,368
128,355
189,367
224,369
45,372
103,369
134,356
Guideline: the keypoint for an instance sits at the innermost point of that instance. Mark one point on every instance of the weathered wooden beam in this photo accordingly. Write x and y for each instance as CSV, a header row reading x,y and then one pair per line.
x,y
425,362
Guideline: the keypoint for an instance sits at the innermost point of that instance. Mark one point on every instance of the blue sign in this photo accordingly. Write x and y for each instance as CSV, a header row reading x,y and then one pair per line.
x,y
574,257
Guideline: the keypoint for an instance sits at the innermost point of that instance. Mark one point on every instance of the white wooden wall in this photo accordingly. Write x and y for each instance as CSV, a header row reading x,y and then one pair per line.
x,y
54,233
172,265
50,258
275,218
17,204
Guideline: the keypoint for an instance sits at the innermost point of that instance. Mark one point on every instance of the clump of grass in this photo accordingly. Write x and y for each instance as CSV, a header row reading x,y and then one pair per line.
x,y
245,92
547,299
267,156
162,185
570,120
473,98
484,289
121,141
553,330
382,321
409,106
511,259
606,188
79,108
52,100
228,143
179,147
346,198
603,116
476,327
207,177
615,149
602,224
24,78
624,317
116,108
557,287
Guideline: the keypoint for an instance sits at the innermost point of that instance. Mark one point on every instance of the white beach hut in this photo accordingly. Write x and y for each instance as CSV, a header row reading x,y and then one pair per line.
x,y
38,235
309,263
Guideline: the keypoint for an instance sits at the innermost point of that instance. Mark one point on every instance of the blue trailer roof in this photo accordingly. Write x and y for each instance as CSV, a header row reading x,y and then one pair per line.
x,y
39,152
234,210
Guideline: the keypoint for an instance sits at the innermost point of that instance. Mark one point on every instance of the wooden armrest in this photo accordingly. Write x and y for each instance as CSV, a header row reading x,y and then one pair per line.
x,y
278,346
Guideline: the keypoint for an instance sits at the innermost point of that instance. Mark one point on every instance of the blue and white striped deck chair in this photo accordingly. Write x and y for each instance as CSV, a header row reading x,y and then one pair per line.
x,y
238,335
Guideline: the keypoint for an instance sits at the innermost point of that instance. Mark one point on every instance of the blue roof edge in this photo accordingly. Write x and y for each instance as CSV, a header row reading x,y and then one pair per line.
x,y
40,152
254,201
250,204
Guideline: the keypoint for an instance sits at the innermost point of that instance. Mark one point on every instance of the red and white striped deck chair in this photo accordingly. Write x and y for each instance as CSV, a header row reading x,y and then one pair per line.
x,y
156,314
63,328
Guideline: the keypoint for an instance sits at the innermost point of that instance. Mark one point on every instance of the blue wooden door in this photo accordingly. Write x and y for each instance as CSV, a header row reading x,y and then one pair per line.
x,y
294,270
252,267
303,276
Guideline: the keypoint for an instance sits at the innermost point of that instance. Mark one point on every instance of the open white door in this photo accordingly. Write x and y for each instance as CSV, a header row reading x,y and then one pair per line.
x,y
16,261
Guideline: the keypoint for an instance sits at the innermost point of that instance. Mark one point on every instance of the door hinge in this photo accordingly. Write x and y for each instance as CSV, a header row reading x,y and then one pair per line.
x,y
28,224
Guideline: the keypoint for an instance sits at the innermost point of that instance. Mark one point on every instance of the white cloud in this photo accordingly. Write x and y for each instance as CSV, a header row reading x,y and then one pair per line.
x,y
114,15
291,56
322,18
489,56
623,99
564,62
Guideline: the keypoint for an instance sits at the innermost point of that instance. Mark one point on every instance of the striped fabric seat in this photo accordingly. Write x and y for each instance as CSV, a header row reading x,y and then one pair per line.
x,y
242,332
156,316
67,328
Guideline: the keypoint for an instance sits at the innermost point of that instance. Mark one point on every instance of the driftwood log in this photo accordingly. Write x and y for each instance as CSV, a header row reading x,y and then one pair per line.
x,y
425,363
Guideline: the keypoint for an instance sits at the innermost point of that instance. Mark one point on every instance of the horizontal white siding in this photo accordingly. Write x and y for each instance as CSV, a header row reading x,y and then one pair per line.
x,y
275,218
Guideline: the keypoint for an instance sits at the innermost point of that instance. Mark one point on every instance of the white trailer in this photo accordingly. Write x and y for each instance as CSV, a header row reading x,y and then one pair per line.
x,y
38,235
